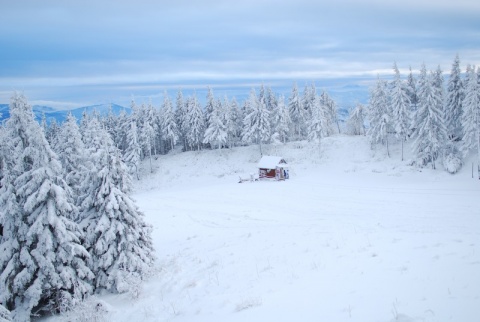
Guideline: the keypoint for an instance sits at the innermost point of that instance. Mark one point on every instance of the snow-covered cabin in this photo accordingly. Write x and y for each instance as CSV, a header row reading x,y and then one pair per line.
x,y
272,167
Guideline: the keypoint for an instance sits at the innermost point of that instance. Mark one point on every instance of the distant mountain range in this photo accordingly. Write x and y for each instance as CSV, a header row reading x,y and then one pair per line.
x,y
61,115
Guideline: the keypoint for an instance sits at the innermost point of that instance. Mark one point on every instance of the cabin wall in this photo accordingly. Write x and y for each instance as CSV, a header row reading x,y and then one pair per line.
x,y
266,173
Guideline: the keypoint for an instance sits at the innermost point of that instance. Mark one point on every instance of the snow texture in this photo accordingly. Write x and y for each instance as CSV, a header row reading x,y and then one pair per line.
x,y
353,236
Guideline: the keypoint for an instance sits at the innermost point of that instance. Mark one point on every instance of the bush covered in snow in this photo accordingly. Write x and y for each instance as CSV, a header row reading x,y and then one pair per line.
x,y
90,309
452,159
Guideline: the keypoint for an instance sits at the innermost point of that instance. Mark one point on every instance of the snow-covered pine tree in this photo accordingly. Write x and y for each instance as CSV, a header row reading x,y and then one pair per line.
x,y
471,114
422,85
116,235
356,121
256,123
43,123
110,122
216,133
297,114
400,106
453,106
281,121
41,258
169,125
238,119
329,115
73,156
271,100
122,127
52,134
430,133
195,123
231,123
209,107
133,150
412,92
316,122
84,121
180,118
378,115
308,100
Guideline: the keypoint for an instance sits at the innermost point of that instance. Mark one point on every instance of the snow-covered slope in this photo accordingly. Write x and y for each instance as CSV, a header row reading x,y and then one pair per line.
x,y
352,236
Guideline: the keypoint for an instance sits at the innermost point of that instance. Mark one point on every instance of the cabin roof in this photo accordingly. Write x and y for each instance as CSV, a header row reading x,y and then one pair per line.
x,y
271,162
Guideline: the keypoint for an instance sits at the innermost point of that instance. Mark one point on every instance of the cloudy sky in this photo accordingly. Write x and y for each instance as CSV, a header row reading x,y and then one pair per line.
x,y
67,53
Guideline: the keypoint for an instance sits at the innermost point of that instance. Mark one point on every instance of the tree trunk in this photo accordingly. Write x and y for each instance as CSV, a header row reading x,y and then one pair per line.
x,y
402,147
388,149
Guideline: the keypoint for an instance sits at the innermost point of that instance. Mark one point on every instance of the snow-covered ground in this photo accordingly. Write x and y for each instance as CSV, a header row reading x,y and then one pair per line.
x,y
352,236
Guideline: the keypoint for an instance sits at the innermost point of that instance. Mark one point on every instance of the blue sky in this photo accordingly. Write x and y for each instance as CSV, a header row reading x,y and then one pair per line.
x,y
67,53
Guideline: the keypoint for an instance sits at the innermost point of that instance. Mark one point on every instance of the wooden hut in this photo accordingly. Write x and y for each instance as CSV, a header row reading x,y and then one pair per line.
x,y
272,167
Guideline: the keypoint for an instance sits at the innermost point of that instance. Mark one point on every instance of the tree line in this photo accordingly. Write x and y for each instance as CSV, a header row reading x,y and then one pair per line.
x,y
221,123
441,122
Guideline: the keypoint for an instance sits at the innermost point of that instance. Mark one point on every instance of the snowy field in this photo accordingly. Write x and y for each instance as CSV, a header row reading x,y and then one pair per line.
x,y
352,236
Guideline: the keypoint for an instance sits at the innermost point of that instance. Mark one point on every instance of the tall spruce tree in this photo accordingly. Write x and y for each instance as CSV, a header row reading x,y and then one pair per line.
x,y
471,114
216,133
378,115
430,133
116,235
256,122
41,258
132,150
168,124
195,123
316,122
453,106
412,91
297,114
356,121
400,106
73,156
282,120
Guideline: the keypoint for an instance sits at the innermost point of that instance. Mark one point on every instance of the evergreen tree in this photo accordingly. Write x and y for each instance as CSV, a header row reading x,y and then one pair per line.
x,y
209,107
400,107
328,114
378,115
316,122
73,157
282,120
308,100
412,91
430,133
216,133
133,150
256,122
453,106
181,118
122,127
195,123
41,258
471,114
110,122
169,126
297,113
117,237
422,85
52,134
231,121
356,121
271,100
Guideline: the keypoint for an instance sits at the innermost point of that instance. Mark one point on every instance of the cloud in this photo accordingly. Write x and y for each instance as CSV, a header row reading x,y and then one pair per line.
x,y
72,44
